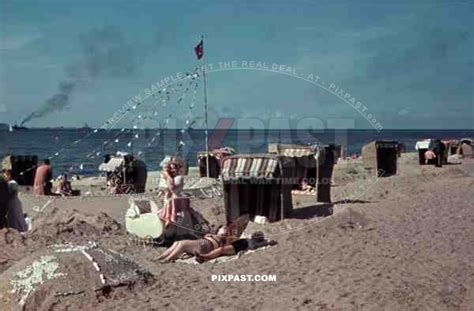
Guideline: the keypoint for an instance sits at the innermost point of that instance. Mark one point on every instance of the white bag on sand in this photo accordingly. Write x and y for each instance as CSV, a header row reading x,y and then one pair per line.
x,y
454,159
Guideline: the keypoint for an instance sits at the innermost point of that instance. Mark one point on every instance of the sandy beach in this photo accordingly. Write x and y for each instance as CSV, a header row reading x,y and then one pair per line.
x,y
403,242
336,139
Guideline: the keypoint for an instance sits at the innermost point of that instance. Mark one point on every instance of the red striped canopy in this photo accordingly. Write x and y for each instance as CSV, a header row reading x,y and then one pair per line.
x,y
292,151
250,166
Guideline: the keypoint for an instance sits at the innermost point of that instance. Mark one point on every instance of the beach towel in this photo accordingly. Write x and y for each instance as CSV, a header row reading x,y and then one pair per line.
x,y
193,261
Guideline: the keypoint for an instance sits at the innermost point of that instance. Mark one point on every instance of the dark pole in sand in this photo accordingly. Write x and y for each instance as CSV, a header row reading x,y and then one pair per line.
x,y
205,107
133,136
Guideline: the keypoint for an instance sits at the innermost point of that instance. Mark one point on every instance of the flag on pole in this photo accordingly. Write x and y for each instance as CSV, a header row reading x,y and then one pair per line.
x,y
199,50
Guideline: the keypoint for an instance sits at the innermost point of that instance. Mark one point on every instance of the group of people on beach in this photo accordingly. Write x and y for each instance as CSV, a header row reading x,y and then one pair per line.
x,y
43,181
225,241
11,209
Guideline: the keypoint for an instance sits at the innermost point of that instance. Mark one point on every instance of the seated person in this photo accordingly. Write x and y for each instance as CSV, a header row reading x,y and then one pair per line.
x,y
64,187
257,240
199,247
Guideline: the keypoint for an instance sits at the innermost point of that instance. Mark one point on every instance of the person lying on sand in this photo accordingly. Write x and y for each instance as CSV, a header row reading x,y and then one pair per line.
x,y
257,240
198,247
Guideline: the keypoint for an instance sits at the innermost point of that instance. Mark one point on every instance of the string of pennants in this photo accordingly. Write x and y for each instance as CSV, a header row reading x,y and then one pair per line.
x,y
153,117
162,98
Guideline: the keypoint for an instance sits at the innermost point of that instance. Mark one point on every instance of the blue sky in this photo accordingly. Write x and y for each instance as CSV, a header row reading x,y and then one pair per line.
x,y
410,64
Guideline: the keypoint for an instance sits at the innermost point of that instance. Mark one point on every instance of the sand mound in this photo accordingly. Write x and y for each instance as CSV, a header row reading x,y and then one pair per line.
x,y
72,223
350,219
445,172
454,172
12,245
68,276
11,238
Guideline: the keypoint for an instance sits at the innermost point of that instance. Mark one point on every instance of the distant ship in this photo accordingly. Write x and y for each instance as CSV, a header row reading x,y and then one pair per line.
x,y
86,127
17,127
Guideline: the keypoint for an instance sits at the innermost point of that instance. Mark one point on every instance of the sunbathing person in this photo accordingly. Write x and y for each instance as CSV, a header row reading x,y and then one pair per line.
x,y
257,240
198,247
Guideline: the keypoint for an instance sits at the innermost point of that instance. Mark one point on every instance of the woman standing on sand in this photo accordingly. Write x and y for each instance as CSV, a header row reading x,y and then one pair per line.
x,y
174,202
15,218
4,198
43,176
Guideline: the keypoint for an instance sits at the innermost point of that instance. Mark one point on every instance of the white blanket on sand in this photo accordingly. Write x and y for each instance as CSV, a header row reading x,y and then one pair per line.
x,y
192,260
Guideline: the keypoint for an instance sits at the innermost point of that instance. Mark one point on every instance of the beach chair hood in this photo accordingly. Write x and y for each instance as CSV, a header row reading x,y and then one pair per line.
x,y
250,166
112,165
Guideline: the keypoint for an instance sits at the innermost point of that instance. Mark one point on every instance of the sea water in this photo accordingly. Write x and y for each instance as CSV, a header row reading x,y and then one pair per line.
x,y
80,151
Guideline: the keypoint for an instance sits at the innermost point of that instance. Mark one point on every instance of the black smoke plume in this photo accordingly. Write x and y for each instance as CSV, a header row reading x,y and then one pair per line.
x,y
105,53
56,102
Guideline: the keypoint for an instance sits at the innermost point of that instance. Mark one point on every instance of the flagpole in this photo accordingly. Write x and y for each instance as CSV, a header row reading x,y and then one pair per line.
x,y
205,107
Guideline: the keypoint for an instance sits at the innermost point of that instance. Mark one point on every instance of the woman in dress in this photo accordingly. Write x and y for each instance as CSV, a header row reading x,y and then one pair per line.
x,y
174,202
15,218
4,199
